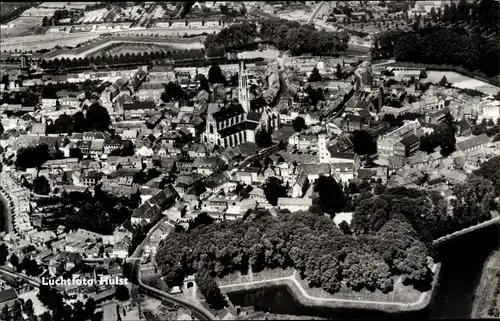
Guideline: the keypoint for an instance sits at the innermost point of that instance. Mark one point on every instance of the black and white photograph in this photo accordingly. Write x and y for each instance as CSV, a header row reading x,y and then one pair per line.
x,y
249,160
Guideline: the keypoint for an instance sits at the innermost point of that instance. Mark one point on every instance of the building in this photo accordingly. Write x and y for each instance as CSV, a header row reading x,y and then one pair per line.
x,y
390,144
294,204
473,144
235,124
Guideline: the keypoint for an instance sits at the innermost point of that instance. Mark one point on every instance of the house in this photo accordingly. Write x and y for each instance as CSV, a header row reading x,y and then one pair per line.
x,y
298,188
38,129
137,110
464,129
90,178
473,144
294,204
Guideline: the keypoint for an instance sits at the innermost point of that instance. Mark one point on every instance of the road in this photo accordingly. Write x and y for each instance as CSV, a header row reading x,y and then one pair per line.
x,y
132,271
315,12
20,275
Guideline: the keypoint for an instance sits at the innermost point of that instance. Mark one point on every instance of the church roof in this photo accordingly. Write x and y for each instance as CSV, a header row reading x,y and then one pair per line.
x,y
237,128
228,112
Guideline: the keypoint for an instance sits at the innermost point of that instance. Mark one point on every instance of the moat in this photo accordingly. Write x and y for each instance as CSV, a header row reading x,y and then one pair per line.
x,y
461,260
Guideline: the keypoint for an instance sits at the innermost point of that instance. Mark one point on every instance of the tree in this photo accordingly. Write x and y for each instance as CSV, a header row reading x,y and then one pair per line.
x,y
263,138
215,75
338,72
172,92
330,195
122,293
17,311
315,75
443,81
98,117
299,124
274,189
28,308
4,253
344,226
201,219
14,260
433,14
6,314
363,143
41,185
45,21
210,290
75,152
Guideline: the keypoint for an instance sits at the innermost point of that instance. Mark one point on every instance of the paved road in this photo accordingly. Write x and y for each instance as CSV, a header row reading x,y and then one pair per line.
x,y
20,275
315,12
132,271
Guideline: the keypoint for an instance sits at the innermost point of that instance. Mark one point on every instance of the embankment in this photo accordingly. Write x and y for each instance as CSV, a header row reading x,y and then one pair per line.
x,y
307,300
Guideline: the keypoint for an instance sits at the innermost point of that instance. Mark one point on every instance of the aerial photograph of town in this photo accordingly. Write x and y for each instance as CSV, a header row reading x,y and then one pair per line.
x,y
250,160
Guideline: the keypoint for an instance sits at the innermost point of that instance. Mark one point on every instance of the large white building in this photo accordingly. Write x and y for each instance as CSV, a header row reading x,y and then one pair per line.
x,y
387,145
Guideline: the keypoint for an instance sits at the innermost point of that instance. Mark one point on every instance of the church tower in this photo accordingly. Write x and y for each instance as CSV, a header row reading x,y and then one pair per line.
x,y
324,154
243,90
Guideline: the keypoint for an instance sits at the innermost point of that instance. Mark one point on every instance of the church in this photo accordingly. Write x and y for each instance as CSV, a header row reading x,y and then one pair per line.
x,y
237,123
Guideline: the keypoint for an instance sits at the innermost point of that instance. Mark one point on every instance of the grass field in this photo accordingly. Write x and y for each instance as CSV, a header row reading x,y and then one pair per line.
x,y
485,291
461,81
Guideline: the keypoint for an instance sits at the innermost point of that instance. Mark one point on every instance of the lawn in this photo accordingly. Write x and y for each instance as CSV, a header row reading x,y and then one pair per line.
x,y
485,292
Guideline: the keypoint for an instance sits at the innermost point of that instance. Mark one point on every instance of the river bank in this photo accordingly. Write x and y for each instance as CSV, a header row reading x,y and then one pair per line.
x,y
304,298
485,296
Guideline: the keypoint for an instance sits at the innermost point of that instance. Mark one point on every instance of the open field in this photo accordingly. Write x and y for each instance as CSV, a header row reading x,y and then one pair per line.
x,y
23,26
485,291
461,81
266,54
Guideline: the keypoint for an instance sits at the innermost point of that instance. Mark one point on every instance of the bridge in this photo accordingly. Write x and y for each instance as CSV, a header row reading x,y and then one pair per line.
x,y
132,270
453,235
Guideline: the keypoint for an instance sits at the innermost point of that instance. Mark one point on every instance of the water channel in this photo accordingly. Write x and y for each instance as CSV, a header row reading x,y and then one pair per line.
x,y
462,262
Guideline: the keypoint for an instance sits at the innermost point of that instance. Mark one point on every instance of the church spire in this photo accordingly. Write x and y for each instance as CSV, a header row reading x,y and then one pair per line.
x,y
243,90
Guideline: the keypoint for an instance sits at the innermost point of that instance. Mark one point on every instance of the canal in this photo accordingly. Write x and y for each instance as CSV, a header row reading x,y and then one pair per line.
x,y
462,261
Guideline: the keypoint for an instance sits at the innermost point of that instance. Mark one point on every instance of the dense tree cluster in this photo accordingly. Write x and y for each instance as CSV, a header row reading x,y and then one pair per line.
x,y
274,189
363,142
443,136
232,36
28,157
173,92
299,124
4,253
470,41
299,38
426,212
329,195
263,138
53,300
41,185
311,243
490,170
101,213
96,118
